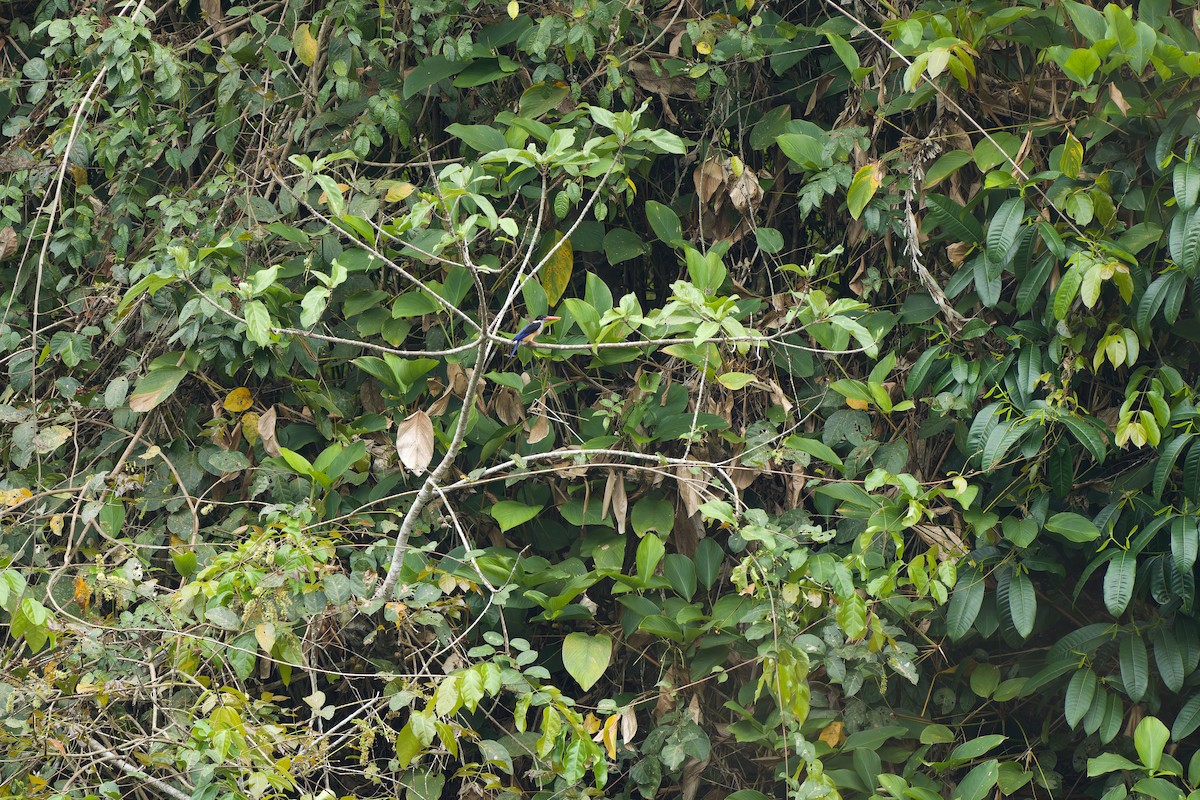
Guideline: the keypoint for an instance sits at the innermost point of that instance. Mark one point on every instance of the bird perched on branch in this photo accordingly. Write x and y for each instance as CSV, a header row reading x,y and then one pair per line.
x,y
530,332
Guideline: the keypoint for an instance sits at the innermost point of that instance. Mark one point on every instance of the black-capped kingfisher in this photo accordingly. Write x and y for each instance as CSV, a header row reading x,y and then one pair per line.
x,y
530,332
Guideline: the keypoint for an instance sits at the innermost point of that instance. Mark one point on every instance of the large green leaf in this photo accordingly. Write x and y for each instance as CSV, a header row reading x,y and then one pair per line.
x,y
586,657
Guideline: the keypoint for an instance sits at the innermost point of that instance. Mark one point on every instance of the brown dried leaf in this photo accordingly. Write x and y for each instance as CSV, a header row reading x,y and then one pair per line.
x,y
8,242
1118,99
620,504
266,432
957,252
507,404
539,429
629,725
687,492
745,193
709,177
414,442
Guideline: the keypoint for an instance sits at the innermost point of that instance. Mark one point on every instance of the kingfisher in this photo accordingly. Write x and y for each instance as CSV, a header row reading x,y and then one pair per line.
x,y
530,332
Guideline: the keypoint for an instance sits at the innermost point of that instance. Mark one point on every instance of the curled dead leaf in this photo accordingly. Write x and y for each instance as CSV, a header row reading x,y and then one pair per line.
x,y
8,242
507,405
414,442
957,252
539,429
266,432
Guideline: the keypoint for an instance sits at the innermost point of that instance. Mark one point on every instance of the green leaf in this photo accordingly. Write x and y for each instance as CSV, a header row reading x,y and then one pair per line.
x,y
1169,658
1073,527
1149,738
954,219
1080,692
429,71
803,149
665,223
814,448
1135,666
865,183
1187,720
1022,604
974,748
984,680
622,244
965,604
509,513
979,782
708,558
946,165
156,386
1070,160
1118,582
1081,65
1166,461
482,138
649,552
586,657
652,513
1109,762
680,572
735,380
1003,229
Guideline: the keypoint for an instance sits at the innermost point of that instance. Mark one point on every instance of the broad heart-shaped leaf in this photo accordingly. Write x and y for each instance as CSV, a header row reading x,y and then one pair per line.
x,y
622,244
555,276
665,223
414,442
863,187
509,513
652,513
586,657
156,386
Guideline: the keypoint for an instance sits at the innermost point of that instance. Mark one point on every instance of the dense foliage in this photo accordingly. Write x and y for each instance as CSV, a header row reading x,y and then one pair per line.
x,y
863,460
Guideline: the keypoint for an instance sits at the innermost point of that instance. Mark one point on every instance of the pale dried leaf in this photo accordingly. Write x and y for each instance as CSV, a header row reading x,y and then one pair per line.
x,y
629,725
708,178
539,429
620,505
266,432
957,252
687,491
745,193
1118,99
507,404
414,442
8,242
742,477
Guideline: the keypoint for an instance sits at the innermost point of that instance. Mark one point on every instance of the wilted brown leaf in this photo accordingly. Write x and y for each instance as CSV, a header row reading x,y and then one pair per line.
x,y
414,442
708,178
957,252
8,242
1118,99
539,429
266,432
507,404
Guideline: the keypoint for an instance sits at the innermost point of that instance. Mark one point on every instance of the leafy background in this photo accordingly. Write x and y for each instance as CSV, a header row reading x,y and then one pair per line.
x,y
863,461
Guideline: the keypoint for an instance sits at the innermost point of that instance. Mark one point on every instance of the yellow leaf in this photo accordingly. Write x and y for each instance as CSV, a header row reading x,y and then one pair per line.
x,y
56,524
238,400
250,426
832,734
514,8
557,273
703,47
609,735
399,191
79,174
855,403
591,723
14,497
83,593
305,45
